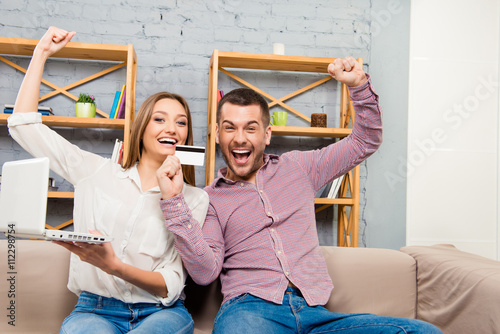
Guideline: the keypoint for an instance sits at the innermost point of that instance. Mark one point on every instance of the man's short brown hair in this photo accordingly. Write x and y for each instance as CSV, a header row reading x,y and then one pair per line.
x,y
245,97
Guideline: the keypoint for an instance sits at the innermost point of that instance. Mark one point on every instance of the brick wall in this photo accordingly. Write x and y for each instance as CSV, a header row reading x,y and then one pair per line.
x,y
174,41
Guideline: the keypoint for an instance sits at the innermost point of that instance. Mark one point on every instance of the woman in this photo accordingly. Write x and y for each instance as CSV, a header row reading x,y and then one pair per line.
x,y
134,283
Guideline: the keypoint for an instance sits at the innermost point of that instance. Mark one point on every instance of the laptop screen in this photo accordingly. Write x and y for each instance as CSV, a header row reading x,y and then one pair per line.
x,y
23,196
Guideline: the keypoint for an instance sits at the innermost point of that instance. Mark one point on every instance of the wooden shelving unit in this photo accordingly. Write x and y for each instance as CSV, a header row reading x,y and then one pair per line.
x,y
221,61
119,55
123,55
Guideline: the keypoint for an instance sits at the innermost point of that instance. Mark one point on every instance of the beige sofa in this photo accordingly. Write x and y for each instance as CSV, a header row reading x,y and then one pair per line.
x,y
457,291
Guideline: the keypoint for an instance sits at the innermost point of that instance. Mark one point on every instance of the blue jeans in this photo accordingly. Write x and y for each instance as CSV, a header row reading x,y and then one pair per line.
x,y
249,314
96,314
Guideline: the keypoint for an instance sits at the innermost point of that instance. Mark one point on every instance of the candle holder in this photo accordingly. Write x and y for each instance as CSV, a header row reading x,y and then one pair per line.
x,y
318,120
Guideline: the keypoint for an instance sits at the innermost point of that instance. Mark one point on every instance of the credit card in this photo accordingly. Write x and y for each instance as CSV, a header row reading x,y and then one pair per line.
x,y
190,155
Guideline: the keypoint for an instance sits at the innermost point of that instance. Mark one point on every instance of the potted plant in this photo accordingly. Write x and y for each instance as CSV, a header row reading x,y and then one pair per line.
x,y
85,106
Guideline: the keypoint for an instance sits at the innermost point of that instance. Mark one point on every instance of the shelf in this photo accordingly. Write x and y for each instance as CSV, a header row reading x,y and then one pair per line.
x,y
76,122
60,194
58,227
303,131
341,201
73,50
273,62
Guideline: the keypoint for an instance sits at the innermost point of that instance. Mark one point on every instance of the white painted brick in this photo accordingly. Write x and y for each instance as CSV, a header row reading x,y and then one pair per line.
x,y
229,35
200,34
296,39
255,37
274,23
348,12
336,40
305,25
250,21
14,6
101,13
160,29
127,29
299,9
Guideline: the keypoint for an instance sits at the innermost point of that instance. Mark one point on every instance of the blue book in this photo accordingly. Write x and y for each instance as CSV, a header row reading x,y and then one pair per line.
x,y
10,111
115,104
45,111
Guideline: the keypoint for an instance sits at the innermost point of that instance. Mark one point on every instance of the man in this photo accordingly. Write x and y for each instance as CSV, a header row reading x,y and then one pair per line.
x,y
260,231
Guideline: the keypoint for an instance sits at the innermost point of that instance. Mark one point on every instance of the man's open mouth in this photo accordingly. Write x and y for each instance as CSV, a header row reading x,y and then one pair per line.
x,y
241,156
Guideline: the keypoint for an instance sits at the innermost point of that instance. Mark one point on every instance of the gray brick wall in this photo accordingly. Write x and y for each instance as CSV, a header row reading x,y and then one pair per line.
x,y
174,40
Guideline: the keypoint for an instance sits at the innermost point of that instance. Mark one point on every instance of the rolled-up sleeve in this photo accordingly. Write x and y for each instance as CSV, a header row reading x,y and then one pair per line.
x,y
174,276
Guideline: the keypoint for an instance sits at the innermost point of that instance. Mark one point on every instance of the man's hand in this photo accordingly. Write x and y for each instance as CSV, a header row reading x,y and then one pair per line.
x,y
170,177
54,40
347,71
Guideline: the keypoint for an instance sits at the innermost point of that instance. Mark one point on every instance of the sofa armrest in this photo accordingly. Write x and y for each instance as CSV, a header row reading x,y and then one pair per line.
x,y
457,291
41,300
378,281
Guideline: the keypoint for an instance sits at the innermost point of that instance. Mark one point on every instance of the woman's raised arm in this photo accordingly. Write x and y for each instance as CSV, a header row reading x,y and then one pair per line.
x,y
53,40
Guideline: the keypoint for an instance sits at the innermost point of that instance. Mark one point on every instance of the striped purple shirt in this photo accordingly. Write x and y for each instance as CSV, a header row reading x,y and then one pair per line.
x,y
259,237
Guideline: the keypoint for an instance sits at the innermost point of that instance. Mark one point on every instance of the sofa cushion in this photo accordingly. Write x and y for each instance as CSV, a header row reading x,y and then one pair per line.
x,y
378,281
457,291
42,300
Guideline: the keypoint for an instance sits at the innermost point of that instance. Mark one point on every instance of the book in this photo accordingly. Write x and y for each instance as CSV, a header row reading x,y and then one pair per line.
x,y
120,154
220,94
115,148
119,101
331,189
112,113
45,111
121,110
10,111
117,151
334,189
323,192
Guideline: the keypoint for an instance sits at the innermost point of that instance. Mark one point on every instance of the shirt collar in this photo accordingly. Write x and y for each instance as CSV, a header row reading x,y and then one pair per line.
x,y
221,174
133,174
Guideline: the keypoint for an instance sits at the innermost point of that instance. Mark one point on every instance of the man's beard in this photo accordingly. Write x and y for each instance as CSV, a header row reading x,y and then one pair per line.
x,y
256,165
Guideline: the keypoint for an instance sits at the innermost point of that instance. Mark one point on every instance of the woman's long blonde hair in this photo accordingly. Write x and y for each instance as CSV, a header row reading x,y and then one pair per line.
x,y
139,125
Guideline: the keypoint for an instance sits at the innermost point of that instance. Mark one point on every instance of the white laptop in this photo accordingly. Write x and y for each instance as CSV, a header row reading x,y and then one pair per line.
x,y
23,203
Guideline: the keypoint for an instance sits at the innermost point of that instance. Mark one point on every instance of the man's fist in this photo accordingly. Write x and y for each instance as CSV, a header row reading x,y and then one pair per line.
x,y
347,71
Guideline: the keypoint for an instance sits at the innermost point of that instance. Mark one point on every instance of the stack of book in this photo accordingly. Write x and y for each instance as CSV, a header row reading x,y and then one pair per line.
x,y
117,152
330,190
118,108
45,111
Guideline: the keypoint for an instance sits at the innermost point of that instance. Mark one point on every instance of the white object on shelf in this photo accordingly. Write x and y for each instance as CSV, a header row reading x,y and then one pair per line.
x,y
278,48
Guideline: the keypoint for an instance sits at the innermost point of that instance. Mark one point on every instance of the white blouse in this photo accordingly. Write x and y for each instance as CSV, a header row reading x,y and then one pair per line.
x,y
109,199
